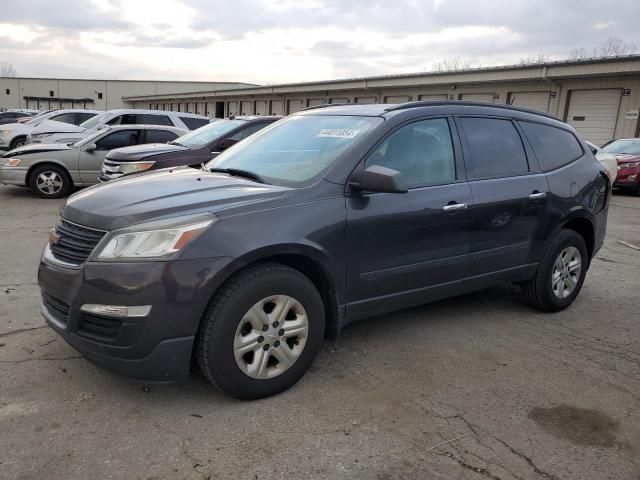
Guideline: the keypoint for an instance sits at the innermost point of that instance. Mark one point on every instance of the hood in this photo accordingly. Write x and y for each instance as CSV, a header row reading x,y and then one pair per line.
x,y
162,194
139,152
37,148
52,126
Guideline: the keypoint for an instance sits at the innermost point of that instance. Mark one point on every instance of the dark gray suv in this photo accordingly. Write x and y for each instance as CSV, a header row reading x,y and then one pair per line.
x,y
331,215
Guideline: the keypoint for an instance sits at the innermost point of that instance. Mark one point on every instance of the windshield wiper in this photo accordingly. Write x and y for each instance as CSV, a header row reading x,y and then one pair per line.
x,y
237,172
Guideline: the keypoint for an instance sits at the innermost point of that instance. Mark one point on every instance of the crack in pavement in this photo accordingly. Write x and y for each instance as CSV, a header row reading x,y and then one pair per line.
x,y
21,330
57,359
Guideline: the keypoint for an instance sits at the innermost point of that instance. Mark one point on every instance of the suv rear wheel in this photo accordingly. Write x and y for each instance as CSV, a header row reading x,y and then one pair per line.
x,y
561,273
261,332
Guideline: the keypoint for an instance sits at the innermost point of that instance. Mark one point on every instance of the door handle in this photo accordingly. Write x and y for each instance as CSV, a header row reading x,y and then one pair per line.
x,y
537,195
452,207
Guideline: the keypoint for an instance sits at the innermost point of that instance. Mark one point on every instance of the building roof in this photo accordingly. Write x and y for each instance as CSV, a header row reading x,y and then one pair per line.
x,y
621,65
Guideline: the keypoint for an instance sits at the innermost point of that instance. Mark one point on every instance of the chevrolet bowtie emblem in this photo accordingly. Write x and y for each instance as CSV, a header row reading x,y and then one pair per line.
x,y
53,237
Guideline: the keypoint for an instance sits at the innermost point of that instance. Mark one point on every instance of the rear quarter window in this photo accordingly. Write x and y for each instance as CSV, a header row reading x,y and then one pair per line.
x,y
193,123
554,147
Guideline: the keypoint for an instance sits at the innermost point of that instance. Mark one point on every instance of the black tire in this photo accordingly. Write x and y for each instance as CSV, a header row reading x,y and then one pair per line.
x,y
18,142
59,174
539,290
214,342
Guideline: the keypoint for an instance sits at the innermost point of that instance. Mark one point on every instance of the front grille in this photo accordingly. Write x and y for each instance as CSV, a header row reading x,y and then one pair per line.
x,y
99,327
57,308
74,242
110,170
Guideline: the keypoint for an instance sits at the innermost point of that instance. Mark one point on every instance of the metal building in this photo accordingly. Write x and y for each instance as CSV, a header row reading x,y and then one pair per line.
x,y
48,93
600,97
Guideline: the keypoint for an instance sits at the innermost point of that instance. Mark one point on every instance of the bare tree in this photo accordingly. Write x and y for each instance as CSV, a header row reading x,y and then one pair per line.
x,y
7,70
534,59
452,64
611,47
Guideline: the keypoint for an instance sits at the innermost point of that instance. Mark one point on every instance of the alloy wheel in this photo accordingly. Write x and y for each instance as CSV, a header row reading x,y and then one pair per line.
x,y
49,183
566,272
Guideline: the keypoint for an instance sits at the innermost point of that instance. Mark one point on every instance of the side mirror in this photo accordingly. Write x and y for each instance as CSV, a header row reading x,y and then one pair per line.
x,y
379,179
91,148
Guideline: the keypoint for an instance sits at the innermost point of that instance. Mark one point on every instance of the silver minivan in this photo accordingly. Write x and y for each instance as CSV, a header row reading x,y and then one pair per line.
x,y
52,170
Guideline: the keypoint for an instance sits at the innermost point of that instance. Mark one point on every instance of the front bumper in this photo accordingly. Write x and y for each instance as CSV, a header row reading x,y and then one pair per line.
x,y
154,348
13,175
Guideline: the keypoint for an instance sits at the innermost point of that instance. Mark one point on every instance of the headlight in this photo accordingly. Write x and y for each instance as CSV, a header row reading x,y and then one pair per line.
x,y
134,167
629,165
10,162
156,239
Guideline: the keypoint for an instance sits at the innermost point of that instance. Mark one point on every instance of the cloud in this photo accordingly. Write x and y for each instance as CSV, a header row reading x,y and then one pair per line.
x,y
268,41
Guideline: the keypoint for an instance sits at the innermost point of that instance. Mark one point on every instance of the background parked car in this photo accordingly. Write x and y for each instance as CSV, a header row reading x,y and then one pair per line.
x,y
192,149
53,132
607,160
52,170
13,116
627,152
14,135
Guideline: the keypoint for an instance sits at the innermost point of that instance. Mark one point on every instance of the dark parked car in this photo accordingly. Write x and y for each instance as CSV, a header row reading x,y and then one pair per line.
x,y
13,117
329,216
193,148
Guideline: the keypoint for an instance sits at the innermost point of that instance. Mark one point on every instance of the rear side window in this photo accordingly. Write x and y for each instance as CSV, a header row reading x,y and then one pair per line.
x,y
83,117
160,136
496,147
121,138
151,119
193,123
128,119
553,146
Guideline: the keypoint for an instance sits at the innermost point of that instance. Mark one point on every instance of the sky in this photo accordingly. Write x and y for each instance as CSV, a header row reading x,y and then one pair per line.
x,y
281,41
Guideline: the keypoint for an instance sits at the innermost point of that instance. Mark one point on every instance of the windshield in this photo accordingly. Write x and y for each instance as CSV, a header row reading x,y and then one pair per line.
x,y
297,150
93,122
207,134
629,147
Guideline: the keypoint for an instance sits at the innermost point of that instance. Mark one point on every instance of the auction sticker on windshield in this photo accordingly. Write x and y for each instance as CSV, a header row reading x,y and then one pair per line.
x,y
338,133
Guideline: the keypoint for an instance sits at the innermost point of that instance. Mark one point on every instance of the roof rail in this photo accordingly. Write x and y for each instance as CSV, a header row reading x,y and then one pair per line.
x,y
325,105
436,103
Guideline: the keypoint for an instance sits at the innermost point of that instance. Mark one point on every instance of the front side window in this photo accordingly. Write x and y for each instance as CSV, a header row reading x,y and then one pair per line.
x,y
247,132
421,151
193,123
553,146
160,136
121,138
126,119
496,147
95,121
297,150
83,117
65,118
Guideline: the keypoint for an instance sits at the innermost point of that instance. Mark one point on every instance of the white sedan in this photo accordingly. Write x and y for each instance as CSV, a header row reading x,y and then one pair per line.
x,y
607,160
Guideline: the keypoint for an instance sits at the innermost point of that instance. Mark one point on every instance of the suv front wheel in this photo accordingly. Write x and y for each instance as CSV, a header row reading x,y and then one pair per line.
x,y
560,274
261,332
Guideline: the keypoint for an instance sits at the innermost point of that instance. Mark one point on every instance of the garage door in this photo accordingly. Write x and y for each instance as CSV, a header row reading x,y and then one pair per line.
x,y
316,101
294,106
246,108
435,97
261,107
397,99
594,113
534,100
277,107
478,97
339,100
366,100
232,108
